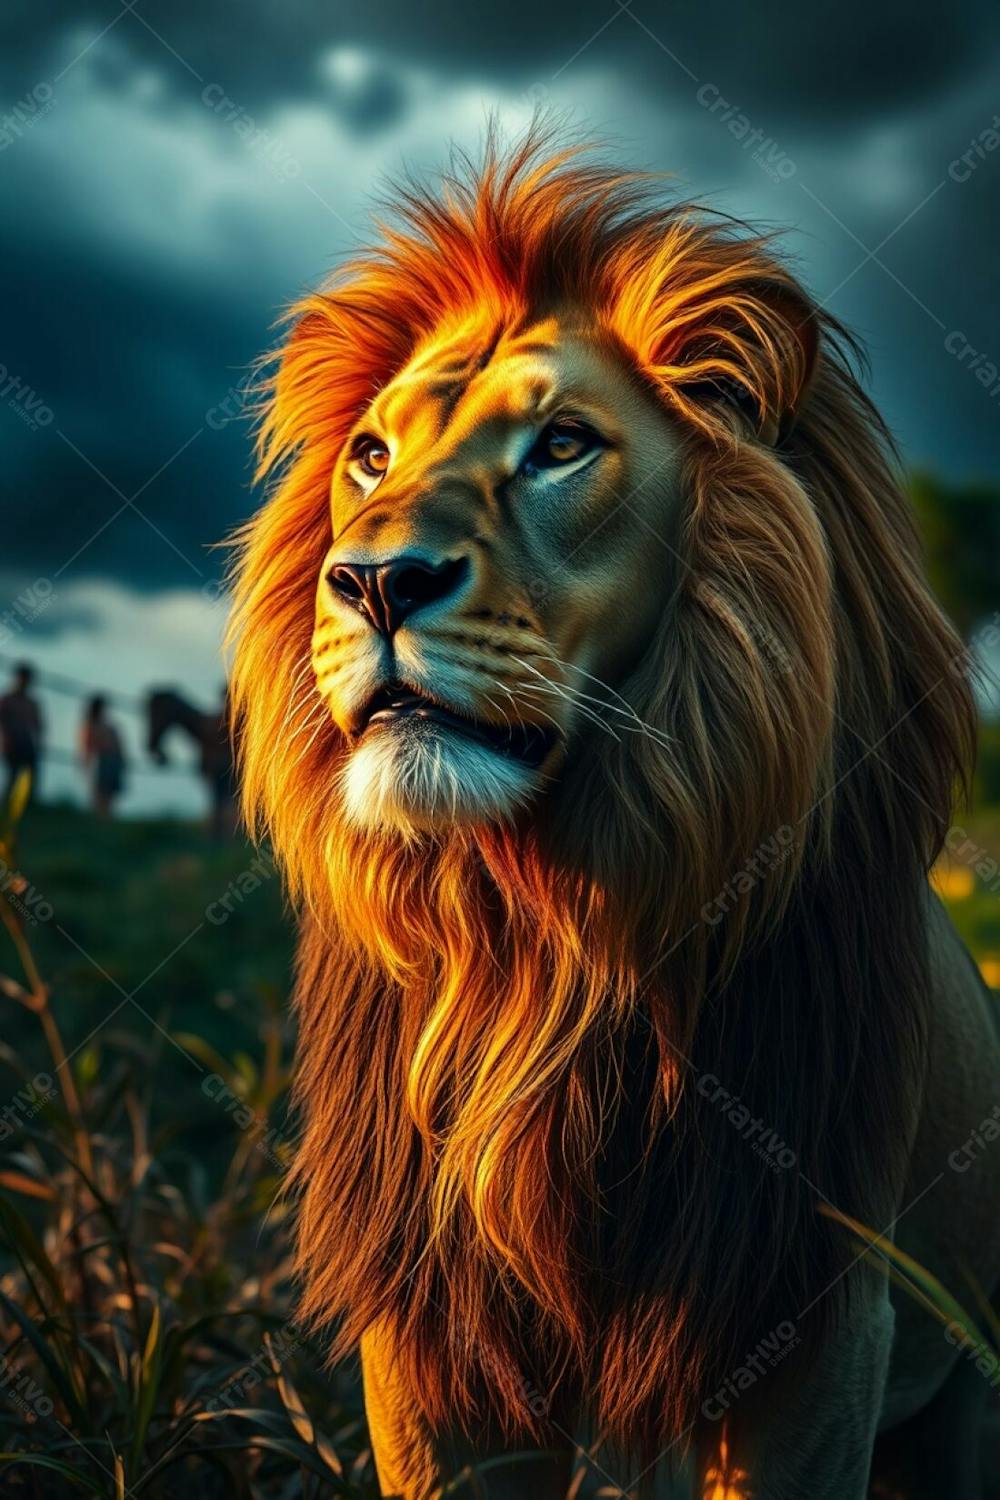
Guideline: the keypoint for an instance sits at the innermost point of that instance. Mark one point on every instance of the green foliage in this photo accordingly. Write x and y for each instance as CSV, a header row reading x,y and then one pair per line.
x,y
960,525
987,784
147,1341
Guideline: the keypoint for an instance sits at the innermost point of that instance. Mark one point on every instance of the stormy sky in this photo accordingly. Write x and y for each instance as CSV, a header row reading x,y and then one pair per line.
x,y
175,173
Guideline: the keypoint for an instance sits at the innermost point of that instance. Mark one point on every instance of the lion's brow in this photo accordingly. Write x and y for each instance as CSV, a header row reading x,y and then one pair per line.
x,y
446,379
448,384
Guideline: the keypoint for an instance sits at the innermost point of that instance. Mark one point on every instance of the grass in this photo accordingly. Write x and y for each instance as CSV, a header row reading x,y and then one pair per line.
x,y
147,1337
146,1327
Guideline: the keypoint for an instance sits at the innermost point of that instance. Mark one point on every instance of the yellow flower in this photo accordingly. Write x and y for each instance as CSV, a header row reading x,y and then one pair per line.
x,y
953,882
989,967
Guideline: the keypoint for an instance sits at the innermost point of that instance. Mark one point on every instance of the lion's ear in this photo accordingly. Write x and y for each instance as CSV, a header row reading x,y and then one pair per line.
x,y
756,354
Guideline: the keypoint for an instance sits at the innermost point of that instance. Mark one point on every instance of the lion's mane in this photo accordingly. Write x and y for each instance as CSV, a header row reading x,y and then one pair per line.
x,y
506,1152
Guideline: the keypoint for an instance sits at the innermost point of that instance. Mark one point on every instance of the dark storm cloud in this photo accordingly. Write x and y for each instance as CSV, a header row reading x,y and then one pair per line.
x,y
142,366
814,61
174,176
842,58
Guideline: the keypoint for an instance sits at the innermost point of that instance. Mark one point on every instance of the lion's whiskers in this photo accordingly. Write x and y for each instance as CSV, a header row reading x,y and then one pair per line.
x,y
324,719
511,694
501,711
298,696
555,691
579,699
627,709
314,712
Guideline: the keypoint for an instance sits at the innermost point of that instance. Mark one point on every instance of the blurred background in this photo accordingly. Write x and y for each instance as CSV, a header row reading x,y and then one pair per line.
x,y
174,175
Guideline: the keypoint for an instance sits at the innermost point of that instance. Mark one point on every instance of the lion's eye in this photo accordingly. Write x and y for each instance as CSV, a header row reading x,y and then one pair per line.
x,y
561,443
371,455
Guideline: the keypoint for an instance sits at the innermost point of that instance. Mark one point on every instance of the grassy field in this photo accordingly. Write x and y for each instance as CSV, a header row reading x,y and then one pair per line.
x,y
148,1340
146,1306
196,932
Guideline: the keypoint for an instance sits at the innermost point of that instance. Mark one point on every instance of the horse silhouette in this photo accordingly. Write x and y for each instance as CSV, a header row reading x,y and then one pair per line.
x,y
166,710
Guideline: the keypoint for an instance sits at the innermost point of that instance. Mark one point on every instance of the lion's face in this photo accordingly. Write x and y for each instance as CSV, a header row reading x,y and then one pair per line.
x,y
503,518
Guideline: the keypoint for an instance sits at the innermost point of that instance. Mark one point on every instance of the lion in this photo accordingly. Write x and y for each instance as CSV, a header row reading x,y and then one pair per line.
x,y
593,697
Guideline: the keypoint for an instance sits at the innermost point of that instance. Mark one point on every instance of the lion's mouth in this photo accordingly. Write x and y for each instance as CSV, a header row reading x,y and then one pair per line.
x,y
396,704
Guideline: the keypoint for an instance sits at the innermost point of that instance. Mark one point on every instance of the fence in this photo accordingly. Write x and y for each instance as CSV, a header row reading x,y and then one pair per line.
x,y
74,687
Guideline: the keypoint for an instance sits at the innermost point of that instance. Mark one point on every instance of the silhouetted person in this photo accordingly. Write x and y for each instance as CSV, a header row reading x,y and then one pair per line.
x,y
21,729
101,748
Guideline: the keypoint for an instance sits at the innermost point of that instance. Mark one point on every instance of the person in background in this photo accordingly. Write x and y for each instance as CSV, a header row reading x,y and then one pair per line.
x,y
101,749
21,729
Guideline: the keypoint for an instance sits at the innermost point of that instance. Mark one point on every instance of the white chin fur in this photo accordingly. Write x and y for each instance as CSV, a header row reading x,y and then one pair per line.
x,y
422,778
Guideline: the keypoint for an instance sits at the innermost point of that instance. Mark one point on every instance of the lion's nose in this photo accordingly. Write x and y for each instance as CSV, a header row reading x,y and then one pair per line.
x,y
388,593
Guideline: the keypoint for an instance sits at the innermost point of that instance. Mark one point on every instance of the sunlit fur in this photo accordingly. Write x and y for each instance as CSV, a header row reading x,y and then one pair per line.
x,y
505,1154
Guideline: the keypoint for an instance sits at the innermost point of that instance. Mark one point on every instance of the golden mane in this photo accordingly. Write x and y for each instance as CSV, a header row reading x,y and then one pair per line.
x,y
505,1149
